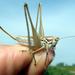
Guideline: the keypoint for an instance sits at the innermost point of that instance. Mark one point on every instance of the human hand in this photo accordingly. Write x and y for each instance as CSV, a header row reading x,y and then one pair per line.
x,y
15,62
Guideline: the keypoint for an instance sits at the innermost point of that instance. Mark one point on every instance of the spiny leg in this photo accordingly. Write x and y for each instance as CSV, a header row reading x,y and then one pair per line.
x,y
36,39
8,34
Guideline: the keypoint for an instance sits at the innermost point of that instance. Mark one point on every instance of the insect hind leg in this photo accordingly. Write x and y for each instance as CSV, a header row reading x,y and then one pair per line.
x,y
8,34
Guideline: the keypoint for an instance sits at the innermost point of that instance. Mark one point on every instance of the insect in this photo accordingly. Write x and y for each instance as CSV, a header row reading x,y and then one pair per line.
x,y
38,41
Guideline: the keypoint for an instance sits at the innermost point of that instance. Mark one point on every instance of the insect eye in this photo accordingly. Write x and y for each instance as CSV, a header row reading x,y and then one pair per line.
x,y
42,40
56,39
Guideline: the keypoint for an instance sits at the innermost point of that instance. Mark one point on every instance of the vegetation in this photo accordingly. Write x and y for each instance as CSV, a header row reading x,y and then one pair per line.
x,y
60,69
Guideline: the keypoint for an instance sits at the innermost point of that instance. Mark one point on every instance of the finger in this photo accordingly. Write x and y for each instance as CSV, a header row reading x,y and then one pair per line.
x,y
40,66
12,59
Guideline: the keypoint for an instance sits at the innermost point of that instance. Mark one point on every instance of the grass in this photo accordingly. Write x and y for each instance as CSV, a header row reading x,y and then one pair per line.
x,y
60,70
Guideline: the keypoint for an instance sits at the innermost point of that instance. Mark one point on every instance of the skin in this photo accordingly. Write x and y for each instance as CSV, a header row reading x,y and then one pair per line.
x,y
15,62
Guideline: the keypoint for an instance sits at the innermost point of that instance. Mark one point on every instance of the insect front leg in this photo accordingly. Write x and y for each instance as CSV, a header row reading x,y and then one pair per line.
x,y
46,56
35,52
33,55
47,50
34,59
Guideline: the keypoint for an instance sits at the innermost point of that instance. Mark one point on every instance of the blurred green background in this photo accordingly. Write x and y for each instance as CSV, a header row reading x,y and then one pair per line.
x,y
61,69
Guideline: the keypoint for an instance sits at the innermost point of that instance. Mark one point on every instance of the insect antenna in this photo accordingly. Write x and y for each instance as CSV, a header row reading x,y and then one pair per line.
x,y
67,37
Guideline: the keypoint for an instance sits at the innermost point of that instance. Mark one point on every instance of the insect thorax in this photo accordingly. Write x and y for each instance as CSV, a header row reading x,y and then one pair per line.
x,y
49,43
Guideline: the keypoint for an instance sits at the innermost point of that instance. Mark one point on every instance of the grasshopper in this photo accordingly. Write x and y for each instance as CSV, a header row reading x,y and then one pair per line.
x,y
38,41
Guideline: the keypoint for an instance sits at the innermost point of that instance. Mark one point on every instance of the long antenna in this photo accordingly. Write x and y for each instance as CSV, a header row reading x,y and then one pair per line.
x,y
66,37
